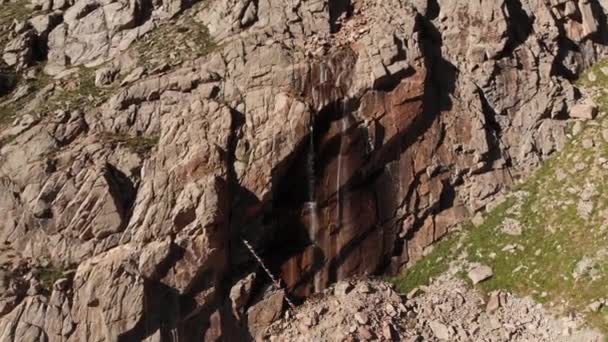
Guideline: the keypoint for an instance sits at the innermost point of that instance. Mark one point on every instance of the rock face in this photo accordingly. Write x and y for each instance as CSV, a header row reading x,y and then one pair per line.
x,y
339,138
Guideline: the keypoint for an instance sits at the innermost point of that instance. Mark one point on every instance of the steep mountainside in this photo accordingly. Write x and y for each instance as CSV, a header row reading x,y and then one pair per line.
x,y
153,152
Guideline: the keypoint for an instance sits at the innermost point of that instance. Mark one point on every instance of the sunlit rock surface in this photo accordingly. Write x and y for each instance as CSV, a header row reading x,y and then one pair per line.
x,y
339,138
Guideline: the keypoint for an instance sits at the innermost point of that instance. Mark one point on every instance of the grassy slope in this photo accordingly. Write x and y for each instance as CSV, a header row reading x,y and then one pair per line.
x,y
555,237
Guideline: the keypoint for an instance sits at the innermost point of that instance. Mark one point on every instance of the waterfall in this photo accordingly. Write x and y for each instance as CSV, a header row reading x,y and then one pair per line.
x,y
311,162
342,169
311,205
343,127
174,335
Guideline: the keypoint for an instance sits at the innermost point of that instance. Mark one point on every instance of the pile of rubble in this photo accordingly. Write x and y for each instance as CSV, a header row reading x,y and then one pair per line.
x,y
447,310
359,309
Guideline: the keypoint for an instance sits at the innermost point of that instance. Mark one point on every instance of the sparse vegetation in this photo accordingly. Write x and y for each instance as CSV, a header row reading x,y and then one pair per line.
x,y
430,266
76,92
173,43
139,144
48,276
541,261
7,114
9,109
80,93
12,11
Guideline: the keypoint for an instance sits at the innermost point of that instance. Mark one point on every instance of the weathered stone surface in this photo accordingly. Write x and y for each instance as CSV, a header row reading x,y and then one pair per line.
x,y
441,331
583,111
390,123
240,294
265,312
107,288
448,310
19,52
153,256
480,273
94,32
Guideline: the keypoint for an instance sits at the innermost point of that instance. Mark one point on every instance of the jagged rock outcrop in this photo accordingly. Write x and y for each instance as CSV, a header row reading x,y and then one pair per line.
x,y
339,138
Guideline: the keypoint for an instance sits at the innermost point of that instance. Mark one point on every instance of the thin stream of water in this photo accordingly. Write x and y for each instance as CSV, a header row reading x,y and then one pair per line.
x,y
312,201
342,169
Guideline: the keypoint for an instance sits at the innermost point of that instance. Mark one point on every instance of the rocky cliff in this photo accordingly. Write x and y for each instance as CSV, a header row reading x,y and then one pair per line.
x,y
143,143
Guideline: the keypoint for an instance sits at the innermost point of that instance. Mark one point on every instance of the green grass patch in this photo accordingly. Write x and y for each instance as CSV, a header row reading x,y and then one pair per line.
x,y
9,110
555,235
49,275
174,42
79,93
540,262
12,11
601,79
431,266
138,144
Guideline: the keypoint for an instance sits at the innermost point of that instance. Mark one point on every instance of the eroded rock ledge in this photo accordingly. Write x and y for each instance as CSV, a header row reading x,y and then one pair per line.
x,y
340,138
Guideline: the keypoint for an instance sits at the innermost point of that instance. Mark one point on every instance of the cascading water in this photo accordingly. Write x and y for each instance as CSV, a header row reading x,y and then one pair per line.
x,y
339,190
312,208
325,84
174,335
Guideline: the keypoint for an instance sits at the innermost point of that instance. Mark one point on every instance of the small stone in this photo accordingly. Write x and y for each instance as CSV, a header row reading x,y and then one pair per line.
x,y
343,288
477,220
511,227
361,318
583,111
310,320
441,331
595,306
388,332
495,323
365,333
320,311
592,77
134,76
584,209
363,288
588,143
605,134
493,302
480,273
577,128
580,167
413,293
